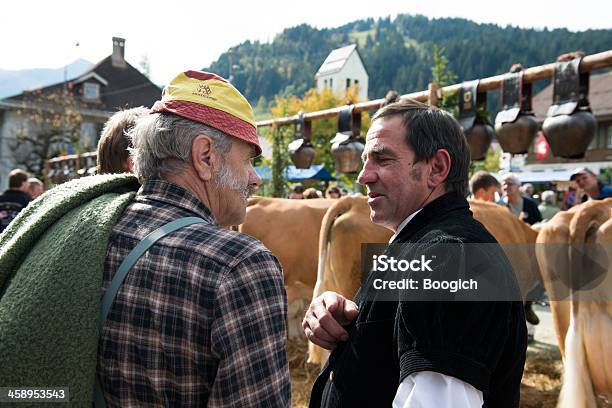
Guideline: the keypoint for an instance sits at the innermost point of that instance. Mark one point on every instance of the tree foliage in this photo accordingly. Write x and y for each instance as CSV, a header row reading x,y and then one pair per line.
x,y
322,132
51,127
441,73
442,76
490,163
398,53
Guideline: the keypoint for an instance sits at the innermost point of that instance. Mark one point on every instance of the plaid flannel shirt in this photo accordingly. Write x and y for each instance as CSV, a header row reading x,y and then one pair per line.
x,y
200,319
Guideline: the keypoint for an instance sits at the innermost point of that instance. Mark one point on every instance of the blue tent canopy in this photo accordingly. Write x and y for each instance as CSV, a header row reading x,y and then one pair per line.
x,y
314,172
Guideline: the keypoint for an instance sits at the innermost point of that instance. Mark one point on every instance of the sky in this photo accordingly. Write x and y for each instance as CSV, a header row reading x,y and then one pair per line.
x,y
180,35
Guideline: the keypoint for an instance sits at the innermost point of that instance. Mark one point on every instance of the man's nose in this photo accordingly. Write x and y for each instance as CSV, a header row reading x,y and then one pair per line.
x,y
254,177
366,175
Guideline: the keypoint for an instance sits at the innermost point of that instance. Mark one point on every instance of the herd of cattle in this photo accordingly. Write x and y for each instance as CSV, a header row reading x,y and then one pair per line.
x,y
318,243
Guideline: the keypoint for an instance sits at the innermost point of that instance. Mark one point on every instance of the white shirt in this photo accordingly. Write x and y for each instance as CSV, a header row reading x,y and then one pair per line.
x,y
428,389
404,223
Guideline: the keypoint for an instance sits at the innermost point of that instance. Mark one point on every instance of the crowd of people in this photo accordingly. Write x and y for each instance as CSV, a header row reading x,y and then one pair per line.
x,y
521,200
298,192
22,188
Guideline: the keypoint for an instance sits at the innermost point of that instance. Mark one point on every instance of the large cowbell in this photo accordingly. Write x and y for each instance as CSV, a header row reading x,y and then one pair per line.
x,y
570,126
476,128
515,124
301,150
346,145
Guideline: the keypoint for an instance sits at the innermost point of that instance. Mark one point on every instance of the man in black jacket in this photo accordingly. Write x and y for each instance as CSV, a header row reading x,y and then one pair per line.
x,y
436,353
523,207
15,199
526,209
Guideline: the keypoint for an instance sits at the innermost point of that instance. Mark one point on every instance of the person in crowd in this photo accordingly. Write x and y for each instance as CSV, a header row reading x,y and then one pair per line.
x,y
419,353
113,154
593,188
527,190
200,320
311,192
297,192
484,186
526,210
15,198
521,206
569,198
548,208
333,192
35,187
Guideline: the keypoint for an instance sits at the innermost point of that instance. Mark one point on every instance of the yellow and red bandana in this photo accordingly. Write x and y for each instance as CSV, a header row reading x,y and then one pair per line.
x,y
207,98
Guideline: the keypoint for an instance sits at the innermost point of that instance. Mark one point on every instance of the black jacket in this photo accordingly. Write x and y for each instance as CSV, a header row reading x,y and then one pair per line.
x,y
533,213
11,203
15,196
481,343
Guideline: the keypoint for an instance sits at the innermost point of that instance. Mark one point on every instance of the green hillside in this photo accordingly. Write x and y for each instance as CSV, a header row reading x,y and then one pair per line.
x,y
397,53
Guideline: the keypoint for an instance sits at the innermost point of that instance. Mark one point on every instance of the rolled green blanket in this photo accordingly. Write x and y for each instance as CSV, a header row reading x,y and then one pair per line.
x,y
51,265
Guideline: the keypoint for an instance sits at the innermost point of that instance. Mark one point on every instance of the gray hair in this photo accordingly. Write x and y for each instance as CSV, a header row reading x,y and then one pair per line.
x,y
32,181
162,144
512,178
527,188
548,196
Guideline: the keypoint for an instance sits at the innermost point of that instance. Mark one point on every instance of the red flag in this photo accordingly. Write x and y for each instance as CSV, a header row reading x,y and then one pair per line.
x,y
541,147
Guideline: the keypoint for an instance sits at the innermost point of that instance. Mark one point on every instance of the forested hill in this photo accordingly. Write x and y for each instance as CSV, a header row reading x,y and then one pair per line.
x,y
397,53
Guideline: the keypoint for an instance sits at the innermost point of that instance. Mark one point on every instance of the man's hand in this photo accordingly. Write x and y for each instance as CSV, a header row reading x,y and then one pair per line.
x,y
326,316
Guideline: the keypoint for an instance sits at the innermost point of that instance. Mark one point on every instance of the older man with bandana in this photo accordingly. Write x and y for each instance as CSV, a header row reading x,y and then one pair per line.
x,y
200,318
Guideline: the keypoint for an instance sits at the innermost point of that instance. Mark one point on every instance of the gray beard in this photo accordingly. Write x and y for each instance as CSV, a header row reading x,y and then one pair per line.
x,y
224,178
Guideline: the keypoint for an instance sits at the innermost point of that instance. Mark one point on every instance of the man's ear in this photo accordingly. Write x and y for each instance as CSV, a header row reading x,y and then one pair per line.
x,y
440,167
203,157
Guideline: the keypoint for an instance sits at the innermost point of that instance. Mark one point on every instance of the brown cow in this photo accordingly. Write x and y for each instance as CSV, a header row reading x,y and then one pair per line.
x,y
347,224
290,230
583,327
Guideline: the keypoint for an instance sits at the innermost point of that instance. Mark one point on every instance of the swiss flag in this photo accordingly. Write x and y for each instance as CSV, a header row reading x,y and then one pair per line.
x,y
541,147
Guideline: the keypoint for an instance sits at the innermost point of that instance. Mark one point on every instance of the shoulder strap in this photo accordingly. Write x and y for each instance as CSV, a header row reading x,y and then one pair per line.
x,y
124,268
134,255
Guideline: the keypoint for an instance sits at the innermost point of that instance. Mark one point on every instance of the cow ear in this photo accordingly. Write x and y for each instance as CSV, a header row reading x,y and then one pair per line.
x,y
203,157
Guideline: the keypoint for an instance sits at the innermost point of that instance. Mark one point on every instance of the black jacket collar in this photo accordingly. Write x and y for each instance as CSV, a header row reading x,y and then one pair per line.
x,y
434,211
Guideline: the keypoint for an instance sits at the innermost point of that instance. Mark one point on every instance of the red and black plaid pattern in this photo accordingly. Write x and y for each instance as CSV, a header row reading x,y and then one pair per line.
x,y
200,319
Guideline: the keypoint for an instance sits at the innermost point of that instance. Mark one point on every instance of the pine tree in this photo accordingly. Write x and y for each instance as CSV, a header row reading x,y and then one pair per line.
x,y
443,76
